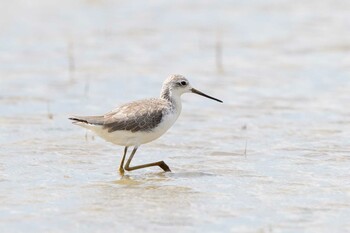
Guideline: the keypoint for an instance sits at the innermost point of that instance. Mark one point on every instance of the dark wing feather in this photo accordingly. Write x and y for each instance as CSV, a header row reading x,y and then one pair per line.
x,y
141,115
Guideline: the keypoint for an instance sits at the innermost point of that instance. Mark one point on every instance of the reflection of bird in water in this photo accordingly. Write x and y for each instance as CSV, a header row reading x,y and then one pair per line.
x,y
143,121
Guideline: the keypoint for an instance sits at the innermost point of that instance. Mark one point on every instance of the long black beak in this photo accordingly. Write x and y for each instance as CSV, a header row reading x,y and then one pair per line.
x,y
202,94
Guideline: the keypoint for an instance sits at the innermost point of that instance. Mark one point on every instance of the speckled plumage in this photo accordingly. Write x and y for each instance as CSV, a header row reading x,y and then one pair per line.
x,y
141,115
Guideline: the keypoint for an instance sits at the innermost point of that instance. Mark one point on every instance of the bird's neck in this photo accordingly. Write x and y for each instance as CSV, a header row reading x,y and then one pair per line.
x,y
173,98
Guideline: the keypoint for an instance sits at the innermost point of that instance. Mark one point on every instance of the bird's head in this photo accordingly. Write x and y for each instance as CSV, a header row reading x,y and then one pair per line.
x,y
177,85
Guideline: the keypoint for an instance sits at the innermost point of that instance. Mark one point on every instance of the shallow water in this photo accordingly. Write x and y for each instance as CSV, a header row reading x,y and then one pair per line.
x,y
275,157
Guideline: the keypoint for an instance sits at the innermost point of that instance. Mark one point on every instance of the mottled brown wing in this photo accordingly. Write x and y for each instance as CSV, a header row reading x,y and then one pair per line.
x,y
137,116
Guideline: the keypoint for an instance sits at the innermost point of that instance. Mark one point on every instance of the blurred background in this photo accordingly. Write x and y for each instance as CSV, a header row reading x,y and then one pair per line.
x,y
274,157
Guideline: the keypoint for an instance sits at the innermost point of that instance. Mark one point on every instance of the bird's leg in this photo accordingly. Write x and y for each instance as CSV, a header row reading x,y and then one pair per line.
x,y
161,164
121,170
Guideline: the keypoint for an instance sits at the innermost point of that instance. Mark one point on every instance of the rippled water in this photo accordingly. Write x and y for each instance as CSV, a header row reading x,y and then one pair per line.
x,y
275,157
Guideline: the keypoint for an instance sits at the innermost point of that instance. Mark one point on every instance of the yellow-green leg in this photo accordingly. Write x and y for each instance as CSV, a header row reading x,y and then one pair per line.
x,y
121,170
161,164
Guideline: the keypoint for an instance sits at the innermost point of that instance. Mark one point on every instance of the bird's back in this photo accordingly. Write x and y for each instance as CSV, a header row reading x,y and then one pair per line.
x,y
141,115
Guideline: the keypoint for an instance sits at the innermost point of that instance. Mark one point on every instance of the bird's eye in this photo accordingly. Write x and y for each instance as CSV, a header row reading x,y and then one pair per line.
x,y
183,83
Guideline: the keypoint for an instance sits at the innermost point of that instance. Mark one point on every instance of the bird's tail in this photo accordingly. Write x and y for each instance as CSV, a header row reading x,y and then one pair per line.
x,y
87,121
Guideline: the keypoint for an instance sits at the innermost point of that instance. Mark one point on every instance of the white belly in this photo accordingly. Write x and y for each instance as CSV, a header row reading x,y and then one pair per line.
x,y
128,138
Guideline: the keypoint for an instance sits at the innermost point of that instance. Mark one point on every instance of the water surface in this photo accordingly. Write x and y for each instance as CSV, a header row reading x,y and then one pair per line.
x,y
275,157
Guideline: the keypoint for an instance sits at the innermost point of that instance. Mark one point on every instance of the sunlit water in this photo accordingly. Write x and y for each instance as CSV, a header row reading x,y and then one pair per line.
x,y
275,157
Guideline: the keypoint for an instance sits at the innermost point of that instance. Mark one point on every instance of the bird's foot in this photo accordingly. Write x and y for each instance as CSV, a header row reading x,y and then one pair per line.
x,y
164,166
121,171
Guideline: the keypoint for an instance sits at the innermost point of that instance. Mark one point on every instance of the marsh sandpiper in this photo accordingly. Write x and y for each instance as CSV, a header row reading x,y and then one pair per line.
x,y
143,121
